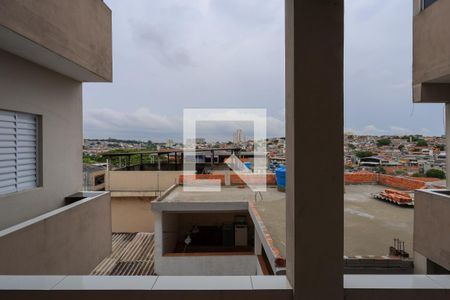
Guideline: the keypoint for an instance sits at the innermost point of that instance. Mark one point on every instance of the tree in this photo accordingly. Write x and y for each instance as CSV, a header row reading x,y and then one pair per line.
x,y
380,170
418,175
441,147
351,146
400,172
413,138
364,153
421,143
435,173
401,147
383,142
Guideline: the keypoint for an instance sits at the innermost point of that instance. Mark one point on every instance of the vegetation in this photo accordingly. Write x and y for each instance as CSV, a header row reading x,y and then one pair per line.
x,y
400,172
364,153
418,175
383,142
441,147
435,173
92,159
380,170
401,147
413,138
421,143
134,159
118,141
351,146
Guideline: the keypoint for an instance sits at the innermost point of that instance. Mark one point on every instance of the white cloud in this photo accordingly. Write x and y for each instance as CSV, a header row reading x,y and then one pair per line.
x,y
424,131
398,130
391,130
145,124
372,130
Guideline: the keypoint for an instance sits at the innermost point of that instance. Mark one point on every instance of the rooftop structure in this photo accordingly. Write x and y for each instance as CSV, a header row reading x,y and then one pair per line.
x,y
171,159
220,233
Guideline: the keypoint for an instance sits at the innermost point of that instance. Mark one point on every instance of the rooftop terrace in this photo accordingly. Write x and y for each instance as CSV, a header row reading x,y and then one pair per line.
x,y
267,209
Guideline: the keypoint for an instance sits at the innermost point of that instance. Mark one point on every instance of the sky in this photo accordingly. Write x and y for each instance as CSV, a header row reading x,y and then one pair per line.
x,y
174,54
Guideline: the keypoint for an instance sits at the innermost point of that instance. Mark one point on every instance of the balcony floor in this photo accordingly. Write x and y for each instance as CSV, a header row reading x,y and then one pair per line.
x,y
132,255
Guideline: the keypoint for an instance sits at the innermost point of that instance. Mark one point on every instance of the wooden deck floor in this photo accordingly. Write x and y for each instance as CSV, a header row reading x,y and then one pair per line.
x,y
132,255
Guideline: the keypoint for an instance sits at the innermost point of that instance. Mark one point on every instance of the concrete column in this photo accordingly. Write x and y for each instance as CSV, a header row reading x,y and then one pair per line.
x,y
314,119
447,142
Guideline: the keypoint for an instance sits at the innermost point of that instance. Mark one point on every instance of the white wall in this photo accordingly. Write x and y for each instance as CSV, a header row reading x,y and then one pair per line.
x,y
135,181
26,87
207,265
166,234
71,240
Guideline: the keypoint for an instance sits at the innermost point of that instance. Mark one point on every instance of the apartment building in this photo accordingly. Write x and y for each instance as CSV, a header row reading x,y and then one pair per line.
x,y
47,50
431,84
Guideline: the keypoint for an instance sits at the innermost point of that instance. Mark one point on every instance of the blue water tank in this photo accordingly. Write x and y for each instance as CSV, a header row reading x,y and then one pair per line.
x,y
248,165
280,174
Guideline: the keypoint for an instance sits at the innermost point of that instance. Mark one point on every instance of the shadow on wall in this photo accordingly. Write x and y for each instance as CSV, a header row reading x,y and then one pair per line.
x,y
132,214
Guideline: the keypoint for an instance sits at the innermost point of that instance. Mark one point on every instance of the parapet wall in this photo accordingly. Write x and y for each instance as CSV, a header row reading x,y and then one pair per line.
x,y
404,183
231,178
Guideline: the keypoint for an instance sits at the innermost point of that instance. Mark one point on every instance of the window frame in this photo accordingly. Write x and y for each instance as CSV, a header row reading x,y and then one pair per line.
x,y
38,152
422,4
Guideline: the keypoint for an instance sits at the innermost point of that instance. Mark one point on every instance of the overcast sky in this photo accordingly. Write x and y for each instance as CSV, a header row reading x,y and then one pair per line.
x,y
175,54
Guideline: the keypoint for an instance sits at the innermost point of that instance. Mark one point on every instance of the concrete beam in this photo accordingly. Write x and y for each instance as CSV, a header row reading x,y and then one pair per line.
x,y
314,113
431,93
447,143
73,38
431,43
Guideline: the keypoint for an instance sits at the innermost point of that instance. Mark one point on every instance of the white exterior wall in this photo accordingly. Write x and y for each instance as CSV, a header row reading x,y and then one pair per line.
x,y
207,265
140,183
420,263
166,231
29,88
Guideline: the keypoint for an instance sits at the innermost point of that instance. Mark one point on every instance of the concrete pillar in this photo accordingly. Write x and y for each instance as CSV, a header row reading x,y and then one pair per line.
x,y
447,142
314,115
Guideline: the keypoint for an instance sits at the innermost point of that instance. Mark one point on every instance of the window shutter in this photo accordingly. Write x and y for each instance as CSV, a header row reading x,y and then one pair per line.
x,y
18,151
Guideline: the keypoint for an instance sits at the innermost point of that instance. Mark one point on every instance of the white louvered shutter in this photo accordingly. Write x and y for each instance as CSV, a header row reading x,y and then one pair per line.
x,y
18,151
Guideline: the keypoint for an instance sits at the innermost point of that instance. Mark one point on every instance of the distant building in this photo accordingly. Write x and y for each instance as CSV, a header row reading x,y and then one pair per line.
x,y
200,141
94,177
196,141
170,143
238,136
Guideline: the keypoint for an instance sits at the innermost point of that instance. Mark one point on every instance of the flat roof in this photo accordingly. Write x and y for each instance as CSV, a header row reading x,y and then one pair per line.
x,y
268,209
229,198
370,225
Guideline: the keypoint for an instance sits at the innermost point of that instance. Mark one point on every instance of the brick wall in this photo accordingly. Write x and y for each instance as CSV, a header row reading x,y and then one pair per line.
x,y
400,182
360,178
405,183
409,169
187,178
255,179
